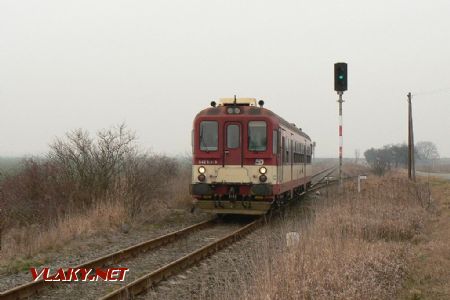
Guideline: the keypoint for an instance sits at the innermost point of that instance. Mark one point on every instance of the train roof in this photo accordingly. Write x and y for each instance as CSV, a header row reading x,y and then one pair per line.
x,y
248,107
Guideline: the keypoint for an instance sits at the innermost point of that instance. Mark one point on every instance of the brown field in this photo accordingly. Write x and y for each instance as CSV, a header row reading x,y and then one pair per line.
x,y
391,241
351,246
429,276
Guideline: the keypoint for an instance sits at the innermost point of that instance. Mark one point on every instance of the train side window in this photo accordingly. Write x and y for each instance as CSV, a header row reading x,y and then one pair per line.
x,y
257,136
275,142
308,154
302,153
292,151
233,136
209,135
288,146
283,147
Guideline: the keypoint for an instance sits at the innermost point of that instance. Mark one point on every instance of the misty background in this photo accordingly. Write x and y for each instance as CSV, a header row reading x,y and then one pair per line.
x,y
155,64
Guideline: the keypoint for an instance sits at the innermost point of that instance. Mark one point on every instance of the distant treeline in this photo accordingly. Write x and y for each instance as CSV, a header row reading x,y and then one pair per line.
x,y
9,165
396,155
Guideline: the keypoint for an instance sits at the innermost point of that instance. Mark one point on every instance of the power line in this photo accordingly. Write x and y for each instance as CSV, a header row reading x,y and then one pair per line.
x,y
432,92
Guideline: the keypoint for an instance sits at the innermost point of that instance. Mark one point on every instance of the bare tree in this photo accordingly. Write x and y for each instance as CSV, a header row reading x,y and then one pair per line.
x,y
387,157
427,151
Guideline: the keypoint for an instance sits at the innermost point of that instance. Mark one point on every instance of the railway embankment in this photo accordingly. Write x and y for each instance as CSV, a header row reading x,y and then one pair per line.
x,y
85,247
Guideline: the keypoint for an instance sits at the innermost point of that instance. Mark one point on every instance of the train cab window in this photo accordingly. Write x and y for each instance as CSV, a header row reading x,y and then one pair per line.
x,y
257,136
209,135
233,136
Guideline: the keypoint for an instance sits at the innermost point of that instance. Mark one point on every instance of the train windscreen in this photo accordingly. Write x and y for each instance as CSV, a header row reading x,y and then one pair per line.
x,y
209,136
257,136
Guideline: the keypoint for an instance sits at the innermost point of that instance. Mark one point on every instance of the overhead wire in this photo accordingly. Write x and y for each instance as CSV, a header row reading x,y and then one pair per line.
x,y
432,92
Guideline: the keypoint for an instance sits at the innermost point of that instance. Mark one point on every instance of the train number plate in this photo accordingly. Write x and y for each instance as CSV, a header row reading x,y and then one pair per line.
x,y
208,162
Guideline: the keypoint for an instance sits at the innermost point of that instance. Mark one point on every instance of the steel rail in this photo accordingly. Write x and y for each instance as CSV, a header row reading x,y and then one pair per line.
x,y
323,171
330,170
149,280
31,288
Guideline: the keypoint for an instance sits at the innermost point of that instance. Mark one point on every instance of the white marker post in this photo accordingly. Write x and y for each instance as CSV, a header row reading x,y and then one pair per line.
x,y
360,177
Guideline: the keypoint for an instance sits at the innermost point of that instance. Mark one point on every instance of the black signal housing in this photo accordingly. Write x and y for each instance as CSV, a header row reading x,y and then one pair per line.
x,y
340,77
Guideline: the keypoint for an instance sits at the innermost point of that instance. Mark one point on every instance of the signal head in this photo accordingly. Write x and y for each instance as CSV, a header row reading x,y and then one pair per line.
x,y
340,77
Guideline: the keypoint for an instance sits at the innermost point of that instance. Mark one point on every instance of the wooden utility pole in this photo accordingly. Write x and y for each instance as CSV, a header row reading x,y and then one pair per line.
x,y
411,161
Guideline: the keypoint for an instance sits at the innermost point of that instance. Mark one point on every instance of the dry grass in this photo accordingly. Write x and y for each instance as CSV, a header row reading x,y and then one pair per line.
x,y
355,169
25,242
430,267
436,168
21,244
179,195
352,246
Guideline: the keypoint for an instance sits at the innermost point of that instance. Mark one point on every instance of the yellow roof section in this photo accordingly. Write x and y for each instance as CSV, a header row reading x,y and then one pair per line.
x,y
239,101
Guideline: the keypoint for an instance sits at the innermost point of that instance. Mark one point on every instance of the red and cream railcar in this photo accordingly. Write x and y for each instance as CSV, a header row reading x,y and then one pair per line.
x,y
246,158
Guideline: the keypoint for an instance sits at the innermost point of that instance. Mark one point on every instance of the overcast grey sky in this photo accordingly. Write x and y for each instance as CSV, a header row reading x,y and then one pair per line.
x,y
155,64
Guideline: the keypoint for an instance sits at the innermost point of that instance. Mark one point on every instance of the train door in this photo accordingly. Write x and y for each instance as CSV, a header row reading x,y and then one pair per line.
x,y
233,144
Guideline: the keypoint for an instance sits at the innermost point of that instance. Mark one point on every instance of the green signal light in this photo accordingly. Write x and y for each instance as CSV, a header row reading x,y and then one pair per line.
x,y
341,77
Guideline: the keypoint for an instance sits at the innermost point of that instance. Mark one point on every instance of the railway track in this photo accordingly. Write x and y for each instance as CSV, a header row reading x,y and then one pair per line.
x,y
30,289
147,281
174,266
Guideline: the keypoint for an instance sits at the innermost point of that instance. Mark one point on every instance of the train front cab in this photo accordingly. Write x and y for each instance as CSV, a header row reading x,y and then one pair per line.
x,y
242,164
232,162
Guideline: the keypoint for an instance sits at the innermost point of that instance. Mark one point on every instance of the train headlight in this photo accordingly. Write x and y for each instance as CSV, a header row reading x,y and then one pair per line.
x,y
263,170
201,177
233,110
202,170
263,178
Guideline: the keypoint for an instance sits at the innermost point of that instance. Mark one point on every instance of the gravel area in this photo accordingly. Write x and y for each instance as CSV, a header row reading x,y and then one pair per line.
x,y
142,264
206,279
89,248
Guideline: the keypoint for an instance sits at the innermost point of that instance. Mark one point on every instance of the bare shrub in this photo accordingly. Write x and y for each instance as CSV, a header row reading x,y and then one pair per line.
x,y
148,178
80,174
92,166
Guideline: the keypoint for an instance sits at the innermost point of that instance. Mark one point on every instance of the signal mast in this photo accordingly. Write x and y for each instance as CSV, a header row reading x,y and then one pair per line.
x,y
340,85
